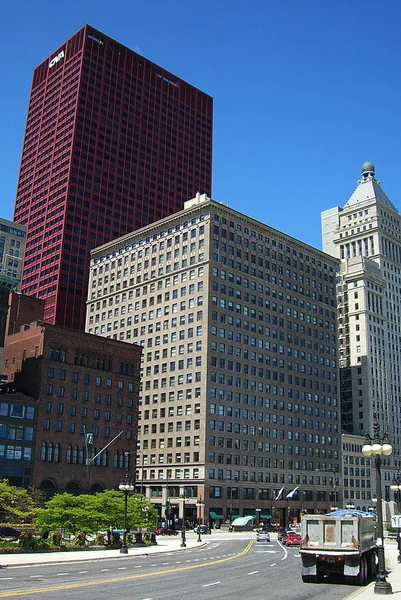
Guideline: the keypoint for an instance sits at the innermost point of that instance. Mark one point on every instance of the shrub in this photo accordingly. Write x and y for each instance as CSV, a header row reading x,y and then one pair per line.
x,y
55,538
80,539
99,541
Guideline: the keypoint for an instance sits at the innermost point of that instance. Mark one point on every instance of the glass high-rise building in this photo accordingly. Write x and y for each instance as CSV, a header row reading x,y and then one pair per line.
x,y
113,142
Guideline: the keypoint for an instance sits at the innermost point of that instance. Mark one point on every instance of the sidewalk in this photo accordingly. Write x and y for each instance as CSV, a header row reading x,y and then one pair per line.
x,y
394,575
164,544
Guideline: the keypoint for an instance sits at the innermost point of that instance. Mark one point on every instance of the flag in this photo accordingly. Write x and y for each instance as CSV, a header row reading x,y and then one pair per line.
x,y
290,495
279,494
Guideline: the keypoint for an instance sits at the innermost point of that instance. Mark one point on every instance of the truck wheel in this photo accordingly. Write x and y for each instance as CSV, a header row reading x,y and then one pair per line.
x,y
362,576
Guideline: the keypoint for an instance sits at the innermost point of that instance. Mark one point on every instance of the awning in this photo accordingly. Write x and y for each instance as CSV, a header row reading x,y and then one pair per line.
x,y
265,515
216,515
235,517
242,521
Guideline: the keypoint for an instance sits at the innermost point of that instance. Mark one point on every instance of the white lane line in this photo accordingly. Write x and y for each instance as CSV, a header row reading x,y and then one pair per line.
x,y
253,572
273,565
81,572
59,574
165,563
154,565
103,570
210,584
5,578
121,568
32,576
138,566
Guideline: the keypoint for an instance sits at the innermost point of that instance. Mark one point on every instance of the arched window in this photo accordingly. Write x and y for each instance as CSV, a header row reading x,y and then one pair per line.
x,y
69,454
43,451
81,455
115,461
121,465
57,453
105,458
50,452
75,455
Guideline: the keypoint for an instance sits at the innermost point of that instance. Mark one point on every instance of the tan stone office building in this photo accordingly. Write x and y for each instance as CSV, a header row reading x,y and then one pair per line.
x,y
239,400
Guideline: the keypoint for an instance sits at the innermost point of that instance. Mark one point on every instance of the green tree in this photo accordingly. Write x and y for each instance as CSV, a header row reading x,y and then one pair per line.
x,y
91,512
69,512
16,504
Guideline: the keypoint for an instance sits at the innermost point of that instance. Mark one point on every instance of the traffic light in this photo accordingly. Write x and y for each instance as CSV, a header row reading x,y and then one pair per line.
x,y
89,438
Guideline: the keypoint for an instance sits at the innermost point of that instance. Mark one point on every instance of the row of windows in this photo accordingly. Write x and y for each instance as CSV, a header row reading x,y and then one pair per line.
x,y
16,432
12,452
17,411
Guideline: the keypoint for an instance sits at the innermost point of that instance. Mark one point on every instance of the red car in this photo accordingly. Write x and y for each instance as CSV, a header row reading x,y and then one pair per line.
x,y
293,540
166,531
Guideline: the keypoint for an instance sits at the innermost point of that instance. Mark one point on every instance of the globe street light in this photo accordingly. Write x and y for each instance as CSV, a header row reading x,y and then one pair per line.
x,y
350,506
377,446
125,486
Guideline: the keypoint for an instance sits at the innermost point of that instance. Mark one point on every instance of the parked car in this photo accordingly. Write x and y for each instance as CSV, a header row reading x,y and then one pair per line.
x,y
204,529
293,540
262,536
166,531
9,532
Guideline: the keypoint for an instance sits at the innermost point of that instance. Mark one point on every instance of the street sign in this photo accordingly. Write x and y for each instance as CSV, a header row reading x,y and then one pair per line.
x,y
396,521
164,506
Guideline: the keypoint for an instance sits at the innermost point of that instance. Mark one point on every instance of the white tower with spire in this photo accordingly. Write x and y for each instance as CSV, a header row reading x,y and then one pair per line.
x,y
366,236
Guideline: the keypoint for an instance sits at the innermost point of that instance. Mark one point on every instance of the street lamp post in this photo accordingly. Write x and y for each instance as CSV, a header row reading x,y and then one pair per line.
x,y
183,498
199,505
396,487
125,486
377,446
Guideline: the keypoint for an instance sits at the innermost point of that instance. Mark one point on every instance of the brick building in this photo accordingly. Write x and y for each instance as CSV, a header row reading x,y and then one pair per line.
x,y
80,384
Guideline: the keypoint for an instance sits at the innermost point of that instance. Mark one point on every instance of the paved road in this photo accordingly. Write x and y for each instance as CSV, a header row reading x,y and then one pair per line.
x,y
220,569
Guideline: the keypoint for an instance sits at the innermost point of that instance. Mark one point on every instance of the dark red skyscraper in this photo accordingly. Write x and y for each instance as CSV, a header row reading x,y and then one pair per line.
x,y
112,142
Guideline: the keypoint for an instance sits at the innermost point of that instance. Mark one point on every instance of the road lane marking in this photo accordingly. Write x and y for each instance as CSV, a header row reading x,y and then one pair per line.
x,y
71,586
32,576
80,572
273,565
121,568
210,584
104,570
253,572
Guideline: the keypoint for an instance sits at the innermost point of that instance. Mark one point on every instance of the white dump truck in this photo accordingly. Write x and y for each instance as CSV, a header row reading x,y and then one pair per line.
x,y
341,543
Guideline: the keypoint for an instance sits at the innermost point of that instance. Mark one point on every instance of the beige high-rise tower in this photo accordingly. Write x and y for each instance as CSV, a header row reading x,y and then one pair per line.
x,y
240,400
366,236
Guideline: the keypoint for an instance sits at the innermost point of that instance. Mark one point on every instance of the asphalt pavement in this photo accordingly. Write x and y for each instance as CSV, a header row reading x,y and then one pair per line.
x,y
164,544
168,544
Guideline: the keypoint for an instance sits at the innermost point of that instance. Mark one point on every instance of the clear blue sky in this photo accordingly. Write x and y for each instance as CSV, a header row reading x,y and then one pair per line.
x,y
304,91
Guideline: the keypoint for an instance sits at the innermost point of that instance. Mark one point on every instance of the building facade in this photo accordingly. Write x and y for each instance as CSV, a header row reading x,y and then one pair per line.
x,y
112,142
84,391
366,236
17,437
239,399
12,248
